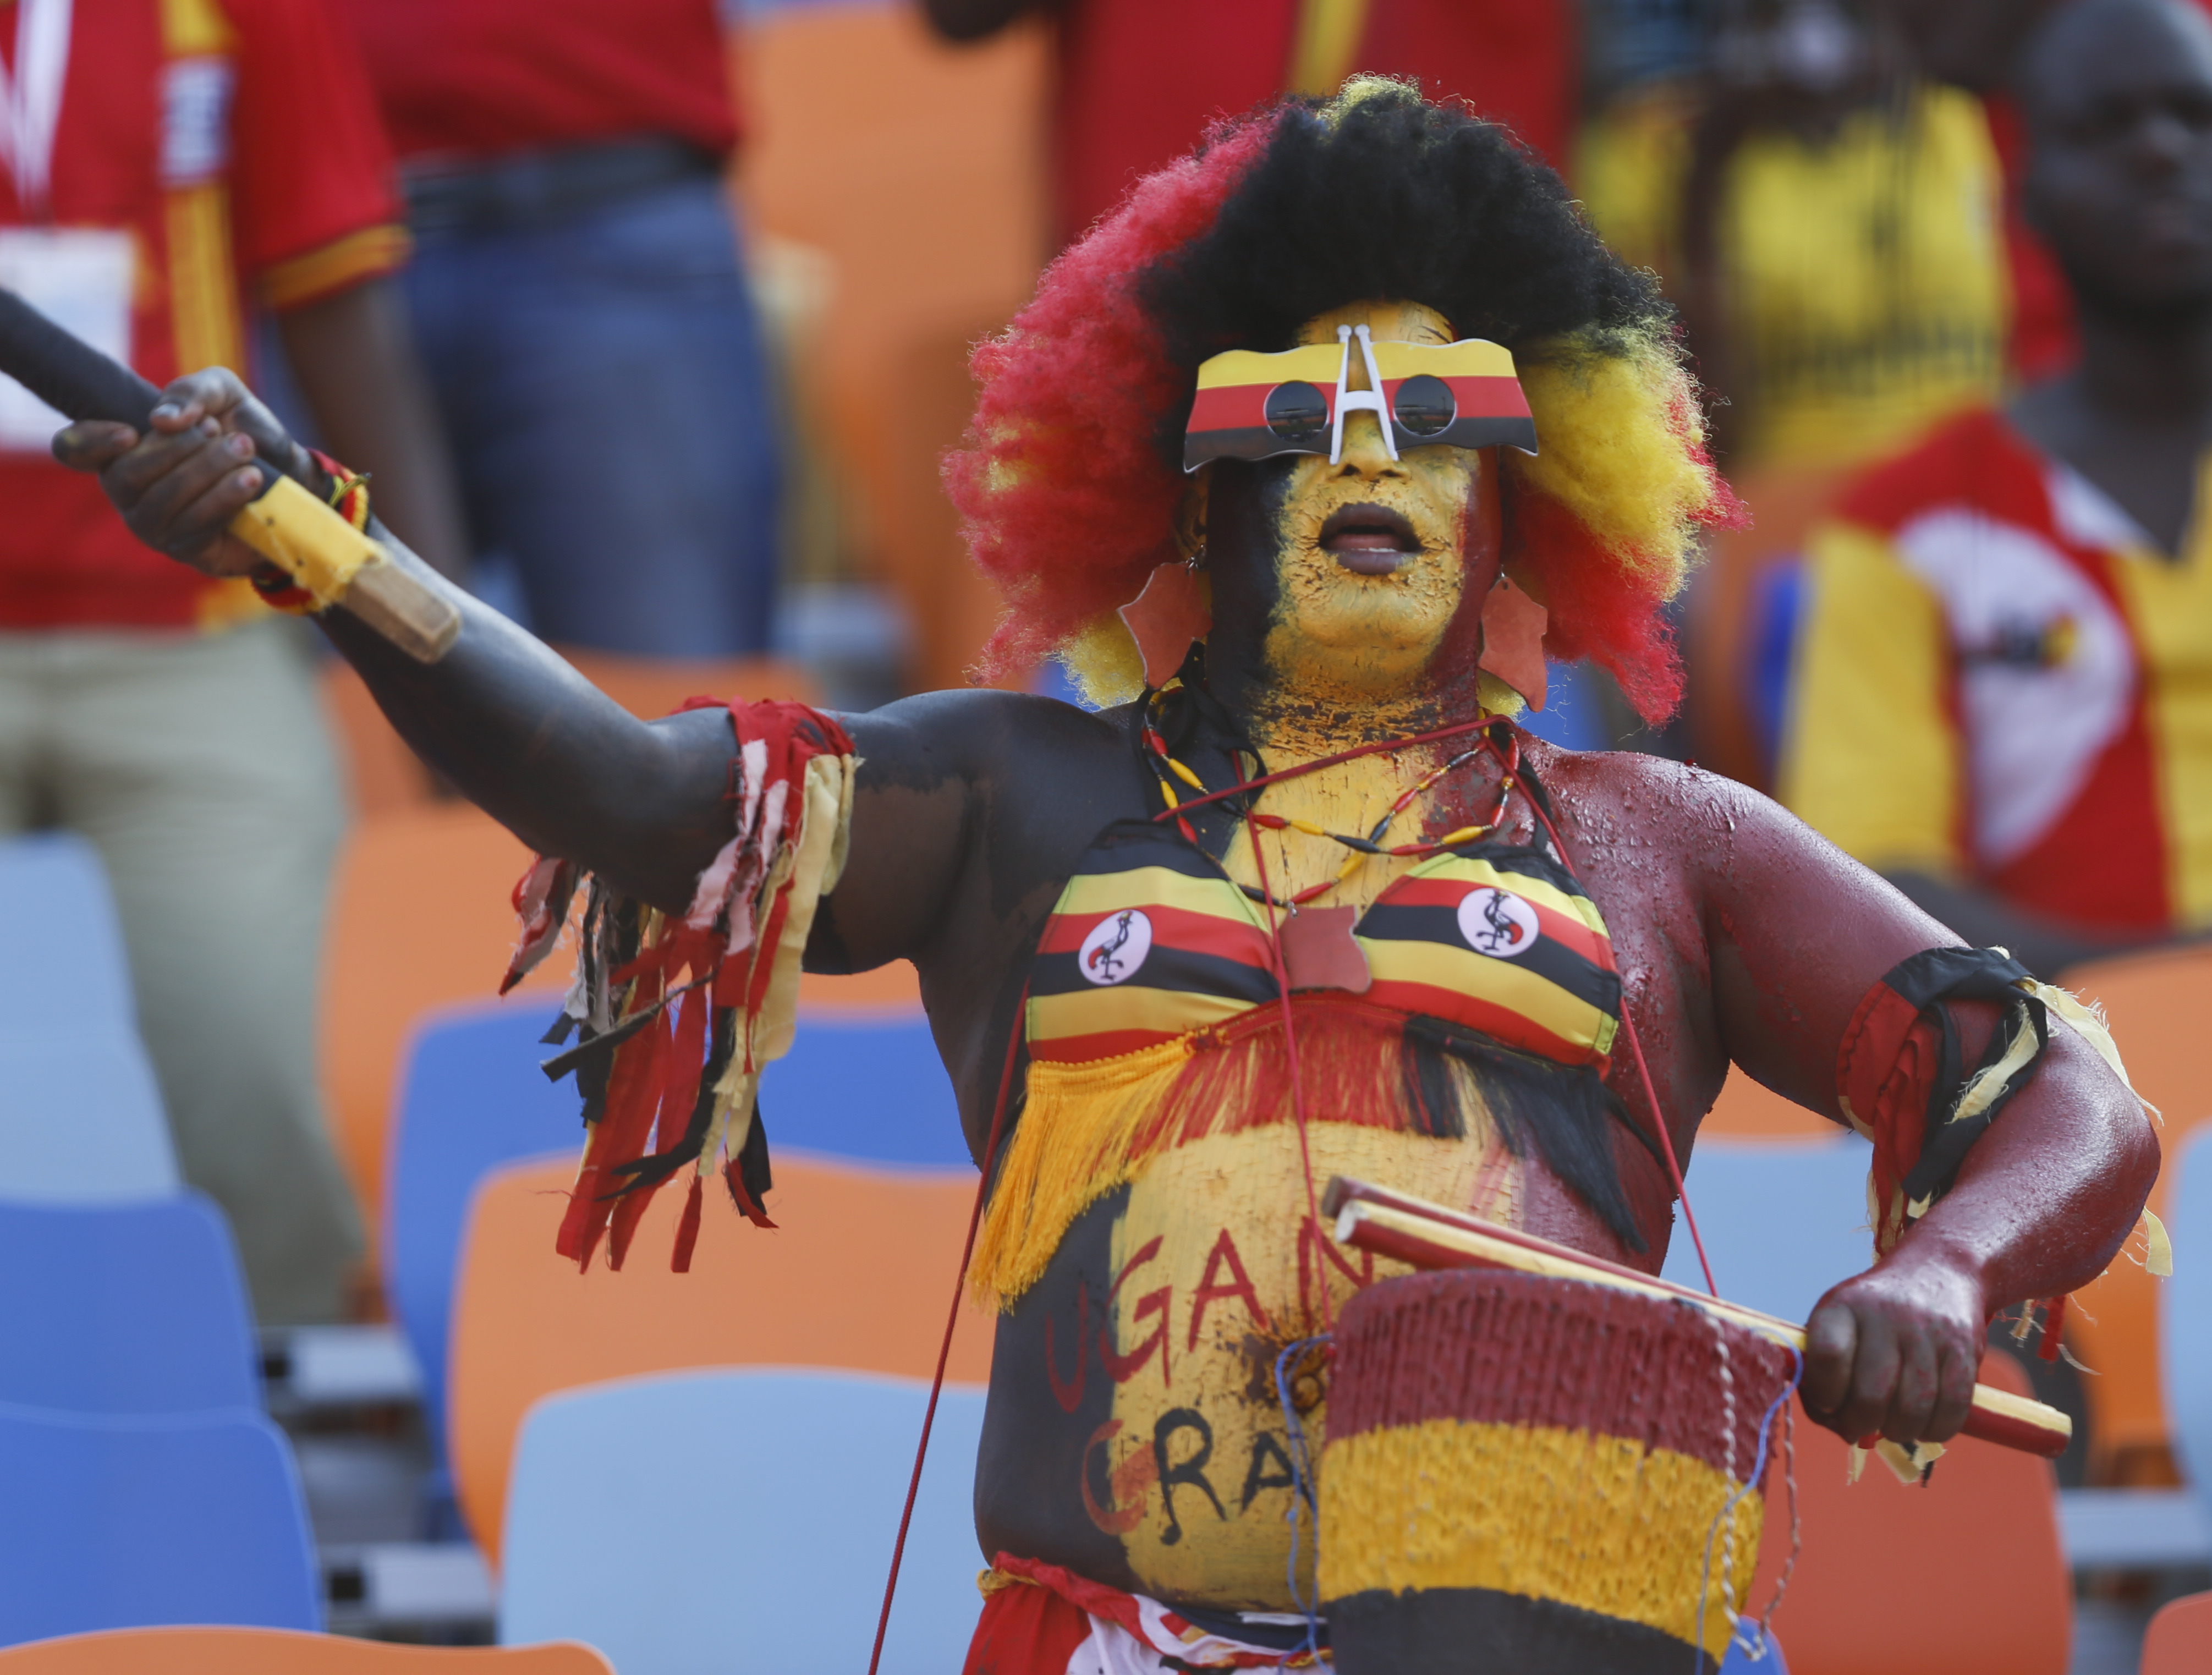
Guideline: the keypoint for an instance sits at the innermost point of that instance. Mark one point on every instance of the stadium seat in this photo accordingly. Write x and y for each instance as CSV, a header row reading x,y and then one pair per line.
x,y
473,1098
81,1118
421,919
1746,1111
283,1652
862,1084
123,1310
2179,1642
2185,1312
2156,1004
1784,1220
744,1518
124,1522
1967,1573
858,1274
70,971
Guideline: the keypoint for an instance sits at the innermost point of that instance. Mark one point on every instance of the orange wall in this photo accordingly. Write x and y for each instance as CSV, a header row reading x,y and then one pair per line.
x,y
917,168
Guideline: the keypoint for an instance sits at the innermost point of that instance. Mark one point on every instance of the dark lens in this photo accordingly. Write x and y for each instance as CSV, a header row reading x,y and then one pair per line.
x,y
1425,406
1297,412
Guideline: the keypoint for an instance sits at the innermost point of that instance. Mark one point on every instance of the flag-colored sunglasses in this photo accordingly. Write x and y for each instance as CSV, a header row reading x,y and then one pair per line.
x,y
1255,406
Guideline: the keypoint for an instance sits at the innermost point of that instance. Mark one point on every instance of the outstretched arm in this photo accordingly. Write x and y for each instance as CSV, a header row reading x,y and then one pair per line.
x,y
1799,932
509,722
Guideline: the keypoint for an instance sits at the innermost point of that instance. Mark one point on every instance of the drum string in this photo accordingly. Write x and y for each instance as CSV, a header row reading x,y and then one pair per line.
x,y
1636,1052
1760,1645
1301,1490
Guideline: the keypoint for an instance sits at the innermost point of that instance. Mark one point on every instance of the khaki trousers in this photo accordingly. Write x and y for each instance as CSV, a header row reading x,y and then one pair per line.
x,y
201,769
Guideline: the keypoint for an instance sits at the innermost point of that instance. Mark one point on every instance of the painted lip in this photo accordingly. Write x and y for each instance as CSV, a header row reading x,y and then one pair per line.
x,y
1369,540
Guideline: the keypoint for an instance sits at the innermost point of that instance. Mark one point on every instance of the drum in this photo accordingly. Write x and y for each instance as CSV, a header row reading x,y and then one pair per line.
x,y
1527,1474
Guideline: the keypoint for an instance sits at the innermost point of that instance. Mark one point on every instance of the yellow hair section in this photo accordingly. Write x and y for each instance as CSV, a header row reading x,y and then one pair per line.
x,y
1618,420
1103,662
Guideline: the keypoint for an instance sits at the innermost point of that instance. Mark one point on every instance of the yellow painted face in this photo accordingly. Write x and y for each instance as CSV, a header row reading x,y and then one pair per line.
x,y
1371,559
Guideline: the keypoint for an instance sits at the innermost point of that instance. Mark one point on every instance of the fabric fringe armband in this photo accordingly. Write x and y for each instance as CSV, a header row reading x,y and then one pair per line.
x,y
674,1018
1901,1082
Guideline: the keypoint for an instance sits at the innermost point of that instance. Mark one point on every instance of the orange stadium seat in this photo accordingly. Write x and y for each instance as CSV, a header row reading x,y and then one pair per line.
x,y
1967,1573
857,1274
2181,1638
1746,1111
2157,1005
283,1652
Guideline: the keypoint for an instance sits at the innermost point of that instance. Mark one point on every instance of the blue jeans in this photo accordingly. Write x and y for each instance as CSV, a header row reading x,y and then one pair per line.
x,y
607,402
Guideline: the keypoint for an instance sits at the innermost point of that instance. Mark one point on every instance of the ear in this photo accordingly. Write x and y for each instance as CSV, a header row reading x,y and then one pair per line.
x,y
1190,515
1513,627
1174,609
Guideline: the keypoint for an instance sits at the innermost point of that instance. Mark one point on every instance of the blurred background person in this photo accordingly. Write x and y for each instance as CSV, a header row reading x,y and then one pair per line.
x,y
1123,103
178,162
1827,207
576,256
2004,699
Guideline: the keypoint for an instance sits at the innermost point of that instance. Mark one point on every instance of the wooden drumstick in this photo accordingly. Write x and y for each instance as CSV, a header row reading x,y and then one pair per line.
x,y
1423,1235
285,524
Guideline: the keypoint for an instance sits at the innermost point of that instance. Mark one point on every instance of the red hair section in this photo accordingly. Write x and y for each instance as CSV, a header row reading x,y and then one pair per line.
x,y
1599,607
1064,497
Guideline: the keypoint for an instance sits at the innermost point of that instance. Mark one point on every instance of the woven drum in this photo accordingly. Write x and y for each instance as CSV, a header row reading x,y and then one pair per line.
x,y
1522,1473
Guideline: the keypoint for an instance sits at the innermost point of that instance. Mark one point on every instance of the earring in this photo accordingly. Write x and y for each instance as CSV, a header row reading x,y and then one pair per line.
x,y
1171,612
1513,639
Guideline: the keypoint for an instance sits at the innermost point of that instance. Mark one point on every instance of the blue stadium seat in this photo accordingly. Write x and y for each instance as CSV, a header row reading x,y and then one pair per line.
x,y
81,1118
1784,1220
742,1519
470,1099
869,1089
116,1523
125,1309
62,963
2186,1313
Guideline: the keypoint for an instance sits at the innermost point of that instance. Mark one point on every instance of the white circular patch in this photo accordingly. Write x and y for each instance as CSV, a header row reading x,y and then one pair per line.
x,y
1116,946
1497,922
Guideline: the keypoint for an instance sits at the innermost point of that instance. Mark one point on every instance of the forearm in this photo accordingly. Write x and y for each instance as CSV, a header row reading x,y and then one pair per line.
x,y
2047,1196
2044,945
547,755
354,358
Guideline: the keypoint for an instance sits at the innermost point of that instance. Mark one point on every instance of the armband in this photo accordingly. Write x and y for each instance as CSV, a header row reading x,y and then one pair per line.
x,y
1902,1083
673,1018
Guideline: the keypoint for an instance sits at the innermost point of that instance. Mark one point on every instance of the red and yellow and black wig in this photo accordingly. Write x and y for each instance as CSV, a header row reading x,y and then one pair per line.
x,y
1070,480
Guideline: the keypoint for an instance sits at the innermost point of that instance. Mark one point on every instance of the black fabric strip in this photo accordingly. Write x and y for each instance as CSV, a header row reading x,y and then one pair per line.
x,y
1930,982
1176,970
1567,1110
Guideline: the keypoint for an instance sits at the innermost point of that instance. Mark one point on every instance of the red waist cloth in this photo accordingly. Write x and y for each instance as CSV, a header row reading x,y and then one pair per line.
x,y
1039,1619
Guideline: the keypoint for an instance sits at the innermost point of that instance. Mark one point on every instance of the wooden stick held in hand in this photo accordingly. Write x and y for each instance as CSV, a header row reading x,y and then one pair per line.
x,y
285,524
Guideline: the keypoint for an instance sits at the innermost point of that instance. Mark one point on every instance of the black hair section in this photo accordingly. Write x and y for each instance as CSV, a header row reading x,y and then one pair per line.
x,y
1566,1110
1391,197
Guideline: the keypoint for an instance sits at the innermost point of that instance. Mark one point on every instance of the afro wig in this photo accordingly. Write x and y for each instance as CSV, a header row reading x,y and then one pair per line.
x,y
1070,479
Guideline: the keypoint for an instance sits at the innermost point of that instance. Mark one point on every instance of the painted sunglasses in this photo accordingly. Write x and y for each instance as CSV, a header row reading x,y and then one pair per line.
x,y
1255,406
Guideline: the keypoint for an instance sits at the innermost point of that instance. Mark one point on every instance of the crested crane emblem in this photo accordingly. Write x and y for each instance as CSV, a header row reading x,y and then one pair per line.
x,y
1116,948
1497,923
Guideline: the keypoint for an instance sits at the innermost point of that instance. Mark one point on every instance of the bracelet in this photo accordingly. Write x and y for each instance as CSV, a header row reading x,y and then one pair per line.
x,y
349,489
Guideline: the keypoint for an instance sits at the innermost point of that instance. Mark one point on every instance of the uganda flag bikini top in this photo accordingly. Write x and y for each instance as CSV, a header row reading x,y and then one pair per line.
x,y
1151,940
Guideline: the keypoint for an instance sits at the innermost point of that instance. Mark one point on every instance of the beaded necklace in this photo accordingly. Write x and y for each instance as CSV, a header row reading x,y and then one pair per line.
x,y
1239,797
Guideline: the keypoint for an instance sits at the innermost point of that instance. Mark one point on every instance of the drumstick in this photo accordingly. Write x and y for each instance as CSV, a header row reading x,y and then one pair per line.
x,y
285,524
1429,1236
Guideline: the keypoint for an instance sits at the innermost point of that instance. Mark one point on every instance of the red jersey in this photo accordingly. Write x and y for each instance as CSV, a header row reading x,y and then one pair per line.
x,y
235,142
477,78
1140,79
2000,681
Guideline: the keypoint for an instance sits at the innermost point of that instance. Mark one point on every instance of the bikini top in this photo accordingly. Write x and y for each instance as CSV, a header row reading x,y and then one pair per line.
x,y
1152,940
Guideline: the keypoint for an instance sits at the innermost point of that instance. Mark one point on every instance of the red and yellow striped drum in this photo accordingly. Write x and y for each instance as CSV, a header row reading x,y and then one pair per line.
x,y
1526,1473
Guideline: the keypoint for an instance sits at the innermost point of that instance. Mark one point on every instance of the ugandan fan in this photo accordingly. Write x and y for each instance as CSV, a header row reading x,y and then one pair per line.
x,y
1304,459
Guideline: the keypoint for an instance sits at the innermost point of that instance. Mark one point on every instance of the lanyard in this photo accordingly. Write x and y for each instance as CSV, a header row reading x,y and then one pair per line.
x,y
31,101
